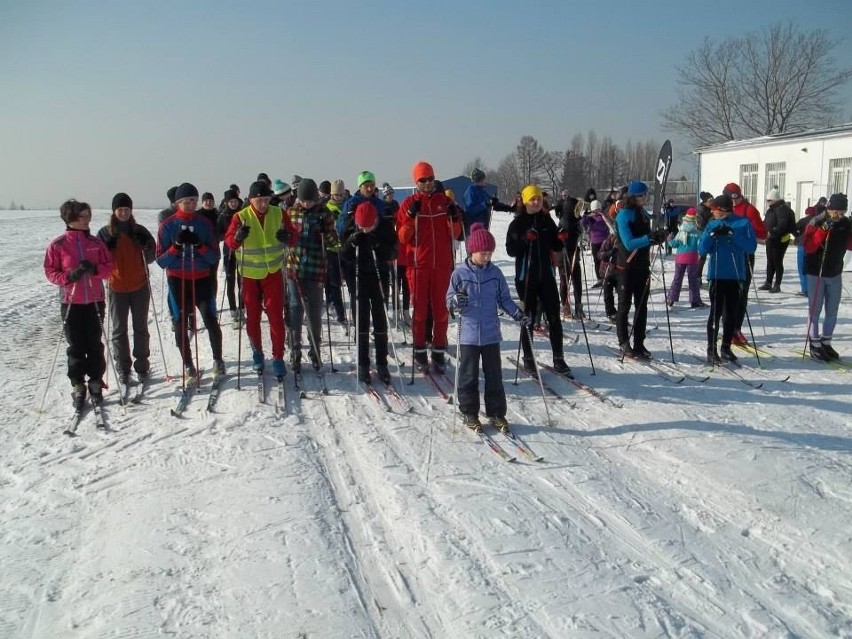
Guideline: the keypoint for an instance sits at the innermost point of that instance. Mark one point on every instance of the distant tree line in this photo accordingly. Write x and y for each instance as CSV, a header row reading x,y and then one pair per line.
x,y
13,207
589,161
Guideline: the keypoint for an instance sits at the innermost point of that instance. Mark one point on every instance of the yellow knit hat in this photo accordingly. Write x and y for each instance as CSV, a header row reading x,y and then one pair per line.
x,y
529,193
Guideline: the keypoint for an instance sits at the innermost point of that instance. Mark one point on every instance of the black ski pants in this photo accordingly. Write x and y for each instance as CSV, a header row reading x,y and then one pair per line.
x,y
468,390
83,333
633,290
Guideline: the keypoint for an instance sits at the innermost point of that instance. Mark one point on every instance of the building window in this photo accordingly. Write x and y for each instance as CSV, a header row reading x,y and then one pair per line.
x,y
776,176
748,181
838,175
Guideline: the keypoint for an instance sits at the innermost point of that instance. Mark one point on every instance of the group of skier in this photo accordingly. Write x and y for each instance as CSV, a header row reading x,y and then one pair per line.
x,y
288,248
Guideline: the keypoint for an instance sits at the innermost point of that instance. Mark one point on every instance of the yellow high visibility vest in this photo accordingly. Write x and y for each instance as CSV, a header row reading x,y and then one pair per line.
x,y
261,252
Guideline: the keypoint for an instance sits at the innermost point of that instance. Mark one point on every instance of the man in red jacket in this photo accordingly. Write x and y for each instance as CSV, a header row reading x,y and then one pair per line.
x,y
426,227
746,209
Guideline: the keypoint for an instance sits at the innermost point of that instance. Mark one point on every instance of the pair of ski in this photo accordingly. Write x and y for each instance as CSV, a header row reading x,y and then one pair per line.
x,y
187,392
568,377
501,452
141,387
668,371
836,364
79,413
732,370
392,396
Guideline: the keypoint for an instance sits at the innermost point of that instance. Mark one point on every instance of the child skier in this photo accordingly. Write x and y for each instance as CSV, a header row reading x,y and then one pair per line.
x,y
368,240
686,260
79,263
477,291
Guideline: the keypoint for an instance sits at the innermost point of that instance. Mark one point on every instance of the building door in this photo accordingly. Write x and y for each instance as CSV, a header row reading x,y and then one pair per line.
x,y
804,197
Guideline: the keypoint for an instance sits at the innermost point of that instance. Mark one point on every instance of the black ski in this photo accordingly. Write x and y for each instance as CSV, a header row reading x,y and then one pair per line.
x,y
586,388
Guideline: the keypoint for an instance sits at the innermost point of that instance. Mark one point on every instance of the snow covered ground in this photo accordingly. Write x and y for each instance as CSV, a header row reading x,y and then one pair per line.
x,y
698,509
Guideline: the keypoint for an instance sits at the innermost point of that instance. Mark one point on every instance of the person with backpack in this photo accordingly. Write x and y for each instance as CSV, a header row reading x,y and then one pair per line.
x,y
780,223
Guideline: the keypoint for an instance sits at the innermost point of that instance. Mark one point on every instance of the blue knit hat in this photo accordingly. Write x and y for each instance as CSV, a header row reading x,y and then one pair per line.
x,y
637,188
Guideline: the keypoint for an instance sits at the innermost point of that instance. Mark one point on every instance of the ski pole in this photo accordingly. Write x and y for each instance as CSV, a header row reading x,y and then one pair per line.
x,y
387,321
583,321
414,299
358,314
745,301
455,397
538,377
526,311
240,307
756,298
813,304
307,315
194,305
156,320
327,309
56,351
668,318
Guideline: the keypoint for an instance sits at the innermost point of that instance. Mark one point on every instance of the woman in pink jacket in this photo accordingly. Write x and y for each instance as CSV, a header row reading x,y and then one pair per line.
x,y
78,262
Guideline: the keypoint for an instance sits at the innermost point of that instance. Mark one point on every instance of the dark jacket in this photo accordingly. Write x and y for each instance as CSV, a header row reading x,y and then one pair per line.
x,y
537,252
779,221
568,222
381,241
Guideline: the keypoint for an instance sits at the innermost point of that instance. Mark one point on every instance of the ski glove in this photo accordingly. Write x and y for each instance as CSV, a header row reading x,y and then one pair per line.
x,y
722,230
494,201
242,233
526,321
658,236
531,236
282,235
462,300
88,267
187,237
819,220
563,236
413,209
75,274
356,239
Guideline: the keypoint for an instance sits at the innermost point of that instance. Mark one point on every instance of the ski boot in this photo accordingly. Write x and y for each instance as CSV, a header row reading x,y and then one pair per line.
x,y
713,356
384,373
826,347
315,360
500,424
726,354
421,361
96,391
818,351
439,360
78,396
626,350
278,368
257,361
364,375
218,368
529,367
640,352
560,366
472,422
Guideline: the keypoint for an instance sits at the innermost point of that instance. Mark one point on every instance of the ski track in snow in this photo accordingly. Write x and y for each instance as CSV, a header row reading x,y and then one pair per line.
x,y
699,509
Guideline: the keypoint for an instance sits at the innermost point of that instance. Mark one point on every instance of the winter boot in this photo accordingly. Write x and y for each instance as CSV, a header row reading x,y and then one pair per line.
x,y
500,424
626,350
315,360
78,396
257,361
818,352
826,346
421,360
384,373
278,367
96,391
726,354
713,356
439,360
560,366
472,422
766,287
190,372
364,374
641,352
218,368
775,289
739,339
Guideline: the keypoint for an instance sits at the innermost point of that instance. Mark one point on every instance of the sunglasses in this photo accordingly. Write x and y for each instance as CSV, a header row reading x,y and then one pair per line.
x,y
426,180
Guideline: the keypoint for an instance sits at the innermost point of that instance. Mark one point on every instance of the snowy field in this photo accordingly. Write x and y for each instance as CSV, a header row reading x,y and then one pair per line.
x,y
699,509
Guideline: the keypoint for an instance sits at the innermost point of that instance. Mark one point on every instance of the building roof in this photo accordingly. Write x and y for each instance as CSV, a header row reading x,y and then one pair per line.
x,y
840,130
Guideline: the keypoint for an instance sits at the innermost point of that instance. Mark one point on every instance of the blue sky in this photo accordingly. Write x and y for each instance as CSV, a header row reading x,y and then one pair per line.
x,y
107,96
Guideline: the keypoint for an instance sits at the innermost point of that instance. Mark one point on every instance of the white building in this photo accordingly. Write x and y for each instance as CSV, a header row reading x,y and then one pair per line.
x,y
803,166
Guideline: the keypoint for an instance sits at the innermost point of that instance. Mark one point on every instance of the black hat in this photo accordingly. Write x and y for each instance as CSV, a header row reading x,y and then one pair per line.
x,y
185,190
307,190
235,188
325,186
230,194
171,194
121,200
207,196
822,201
838,202
704,196
259,189
723,202
263,177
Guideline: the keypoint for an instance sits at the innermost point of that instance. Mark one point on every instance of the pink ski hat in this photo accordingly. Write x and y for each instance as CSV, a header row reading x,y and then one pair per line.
x,y
480,239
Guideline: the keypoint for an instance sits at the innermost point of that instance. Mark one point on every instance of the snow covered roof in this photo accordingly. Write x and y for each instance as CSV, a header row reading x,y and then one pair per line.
x,y
840,130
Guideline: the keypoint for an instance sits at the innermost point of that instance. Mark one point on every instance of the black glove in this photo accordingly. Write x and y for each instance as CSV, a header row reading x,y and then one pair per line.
x,y
413,209
494,201
76,273
828,223
819,220
88,267
453,212
187,237
111,242
723,230
658,236
356,238
462,300
242,233
526,321
282,235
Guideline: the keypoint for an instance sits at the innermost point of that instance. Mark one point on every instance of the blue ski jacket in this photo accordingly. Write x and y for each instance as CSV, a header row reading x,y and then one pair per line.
x,y
487,291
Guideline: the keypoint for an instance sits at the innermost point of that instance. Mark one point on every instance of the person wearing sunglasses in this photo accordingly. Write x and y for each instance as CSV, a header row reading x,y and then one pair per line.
x,y
744,208
427,226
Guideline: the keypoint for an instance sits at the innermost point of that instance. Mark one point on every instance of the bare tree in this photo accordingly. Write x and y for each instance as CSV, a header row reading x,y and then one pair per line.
x,y
475,163
508,178
553,171
778,80
531,160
